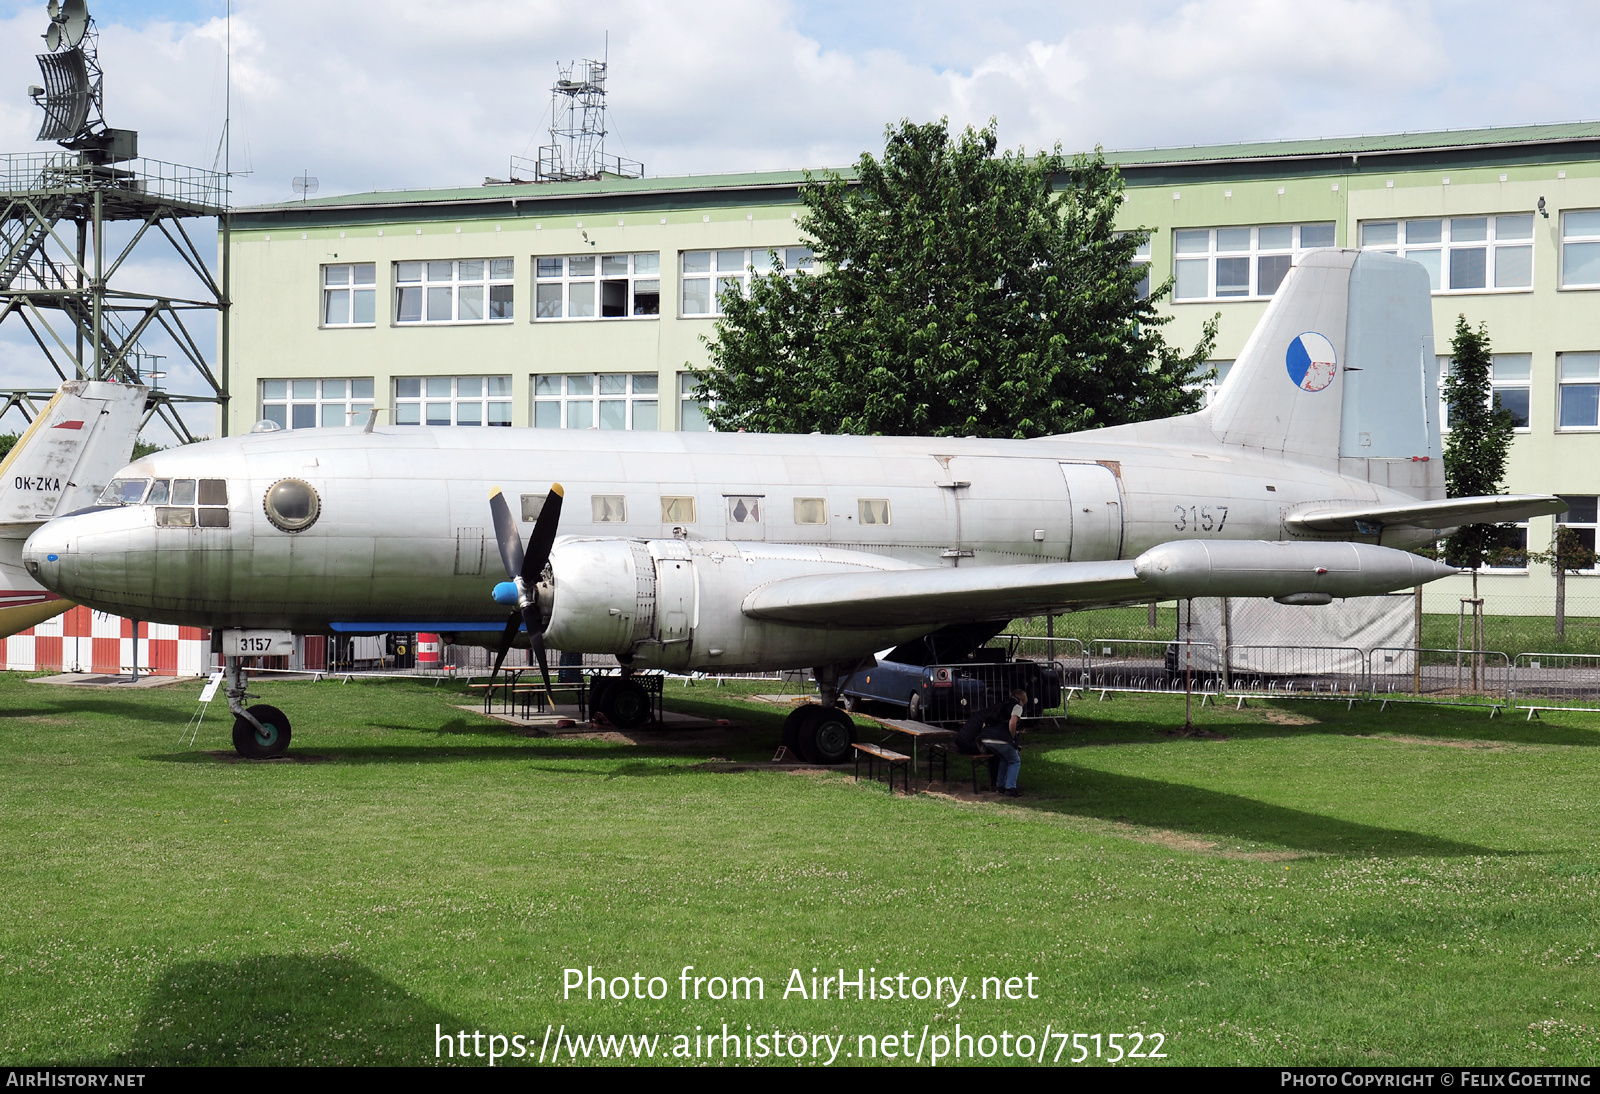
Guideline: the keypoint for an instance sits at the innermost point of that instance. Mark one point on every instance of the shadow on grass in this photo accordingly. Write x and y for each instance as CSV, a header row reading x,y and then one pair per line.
x,y
281,1009
1152,803
124,709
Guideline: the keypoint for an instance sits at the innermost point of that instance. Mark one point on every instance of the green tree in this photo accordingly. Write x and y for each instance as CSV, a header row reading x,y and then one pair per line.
x,y
1479,444
958,292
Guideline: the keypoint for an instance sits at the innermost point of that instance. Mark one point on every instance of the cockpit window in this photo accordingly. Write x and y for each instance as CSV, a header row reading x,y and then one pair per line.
x,y
182,491
213,492
160,490
124,492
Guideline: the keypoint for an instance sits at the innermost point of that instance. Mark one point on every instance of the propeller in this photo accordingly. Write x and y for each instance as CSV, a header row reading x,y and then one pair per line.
x,y
524,568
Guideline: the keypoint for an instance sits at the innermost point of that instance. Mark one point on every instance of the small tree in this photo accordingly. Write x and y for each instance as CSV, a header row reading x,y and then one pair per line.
x,y
958,292
1567,553
1475,455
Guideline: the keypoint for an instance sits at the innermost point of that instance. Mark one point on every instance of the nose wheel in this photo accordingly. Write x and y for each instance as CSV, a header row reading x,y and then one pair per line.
x,y
259,732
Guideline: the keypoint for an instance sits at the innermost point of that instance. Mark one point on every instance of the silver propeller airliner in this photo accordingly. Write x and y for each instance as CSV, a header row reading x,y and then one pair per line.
x,y
1317,461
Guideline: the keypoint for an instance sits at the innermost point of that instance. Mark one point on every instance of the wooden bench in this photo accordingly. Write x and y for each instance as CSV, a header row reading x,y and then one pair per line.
x,y
982,756
892,760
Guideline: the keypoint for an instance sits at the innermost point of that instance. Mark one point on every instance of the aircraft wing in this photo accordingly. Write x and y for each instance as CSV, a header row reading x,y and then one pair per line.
x,y
1445,513
1182,568
941,595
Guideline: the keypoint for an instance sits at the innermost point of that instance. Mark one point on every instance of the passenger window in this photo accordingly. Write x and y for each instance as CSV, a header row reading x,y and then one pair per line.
x,y
532,506
158,493
182,491
874,510
811,510
172,517
213,518
744,509
213,492
677,510
124,492
608,509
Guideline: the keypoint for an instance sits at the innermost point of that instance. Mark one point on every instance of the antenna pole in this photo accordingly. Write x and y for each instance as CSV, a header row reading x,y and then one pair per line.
x,y
225,333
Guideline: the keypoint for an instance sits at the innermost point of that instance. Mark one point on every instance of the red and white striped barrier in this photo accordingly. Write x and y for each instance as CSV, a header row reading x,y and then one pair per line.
x,y
83,640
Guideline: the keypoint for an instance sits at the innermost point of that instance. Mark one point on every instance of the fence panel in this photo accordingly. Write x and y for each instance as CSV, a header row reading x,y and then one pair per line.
x,y
1296,672
1556,681
1441,676
1142,665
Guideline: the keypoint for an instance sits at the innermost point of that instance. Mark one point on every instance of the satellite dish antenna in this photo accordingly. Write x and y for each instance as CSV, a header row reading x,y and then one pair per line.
x,y
69,22
305,184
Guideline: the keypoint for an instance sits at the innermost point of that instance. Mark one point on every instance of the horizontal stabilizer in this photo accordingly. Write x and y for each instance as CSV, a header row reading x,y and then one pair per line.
x,y
1176,570
1441,514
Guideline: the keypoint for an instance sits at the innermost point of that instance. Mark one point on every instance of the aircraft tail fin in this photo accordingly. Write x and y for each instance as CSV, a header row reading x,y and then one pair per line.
x,y
1341,372
69,453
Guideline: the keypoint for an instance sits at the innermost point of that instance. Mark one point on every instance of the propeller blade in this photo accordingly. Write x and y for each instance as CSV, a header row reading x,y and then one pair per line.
x,y
506,534
544,535
537,640
513,624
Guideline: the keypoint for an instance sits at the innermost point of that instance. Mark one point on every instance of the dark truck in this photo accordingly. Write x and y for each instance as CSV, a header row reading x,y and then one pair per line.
x,y
945,676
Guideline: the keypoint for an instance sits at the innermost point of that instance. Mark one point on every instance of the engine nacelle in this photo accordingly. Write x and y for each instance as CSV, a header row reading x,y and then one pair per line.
x,y
677,605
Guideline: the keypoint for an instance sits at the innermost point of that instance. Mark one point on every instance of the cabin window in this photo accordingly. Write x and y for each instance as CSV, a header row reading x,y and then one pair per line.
x,y
677,510
532,506
124,492
874,510
811,510
608,509
174,517
744,509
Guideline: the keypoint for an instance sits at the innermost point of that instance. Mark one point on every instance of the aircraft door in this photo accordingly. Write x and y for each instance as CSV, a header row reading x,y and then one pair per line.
x,y
675,592
1096,511
1015,505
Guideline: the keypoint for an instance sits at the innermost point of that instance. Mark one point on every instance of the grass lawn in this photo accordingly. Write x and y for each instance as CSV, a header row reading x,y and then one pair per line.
x,y
1317,886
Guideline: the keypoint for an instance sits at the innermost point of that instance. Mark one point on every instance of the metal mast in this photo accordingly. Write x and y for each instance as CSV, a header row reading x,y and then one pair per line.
x,y
577,148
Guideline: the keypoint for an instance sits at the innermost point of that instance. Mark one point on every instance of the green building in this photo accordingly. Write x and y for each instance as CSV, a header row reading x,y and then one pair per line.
x,y
580,305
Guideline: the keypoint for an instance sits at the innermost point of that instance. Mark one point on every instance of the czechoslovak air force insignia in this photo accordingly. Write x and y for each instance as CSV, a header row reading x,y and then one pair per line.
x,y
1310,361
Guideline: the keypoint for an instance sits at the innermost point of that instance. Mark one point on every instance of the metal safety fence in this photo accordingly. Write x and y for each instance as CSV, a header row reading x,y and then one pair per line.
x,y
1448,677
1295,672
1142,665
1556,681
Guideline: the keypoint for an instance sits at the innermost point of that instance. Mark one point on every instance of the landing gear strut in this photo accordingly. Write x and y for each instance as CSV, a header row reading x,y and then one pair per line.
x,y
259,732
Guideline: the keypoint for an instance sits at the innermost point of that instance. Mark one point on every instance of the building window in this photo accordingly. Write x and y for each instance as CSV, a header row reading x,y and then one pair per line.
x,y
468,290
348,294
707,275
1513,557
811,510
1583,518
1461,254
1240,263
308,404
1208,387
608,509
452,400
677,510
597,286
1580,249
1579,396
691,407
873,510
589,400
1511,373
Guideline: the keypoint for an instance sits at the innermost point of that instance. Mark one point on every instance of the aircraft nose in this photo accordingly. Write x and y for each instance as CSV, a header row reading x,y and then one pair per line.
x,y
43,552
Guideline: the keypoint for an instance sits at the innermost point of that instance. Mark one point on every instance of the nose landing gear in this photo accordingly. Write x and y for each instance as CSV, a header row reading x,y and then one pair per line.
x,y
259,732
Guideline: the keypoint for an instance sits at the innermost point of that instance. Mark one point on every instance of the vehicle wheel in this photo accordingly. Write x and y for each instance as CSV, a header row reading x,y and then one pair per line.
x,y
826,736
626,704
853,703
791,727
914,709
252,743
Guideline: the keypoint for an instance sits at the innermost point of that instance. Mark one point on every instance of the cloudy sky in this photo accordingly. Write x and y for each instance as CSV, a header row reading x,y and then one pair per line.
x,y
406,93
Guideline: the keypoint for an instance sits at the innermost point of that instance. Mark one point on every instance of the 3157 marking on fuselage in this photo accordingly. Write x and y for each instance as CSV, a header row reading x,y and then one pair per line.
x,y
1199,518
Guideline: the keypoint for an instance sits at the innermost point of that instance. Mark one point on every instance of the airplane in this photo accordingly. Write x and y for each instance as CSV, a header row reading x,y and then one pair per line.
x,y
60,464
1317,462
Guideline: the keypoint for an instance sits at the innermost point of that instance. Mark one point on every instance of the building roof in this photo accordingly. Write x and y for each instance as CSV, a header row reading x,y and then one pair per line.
x,y
1489,147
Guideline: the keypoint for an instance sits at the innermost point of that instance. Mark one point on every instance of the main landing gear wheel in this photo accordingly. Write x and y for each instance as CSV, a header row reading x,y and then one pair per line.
x,y
626,704
265,743
824,734
791,728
